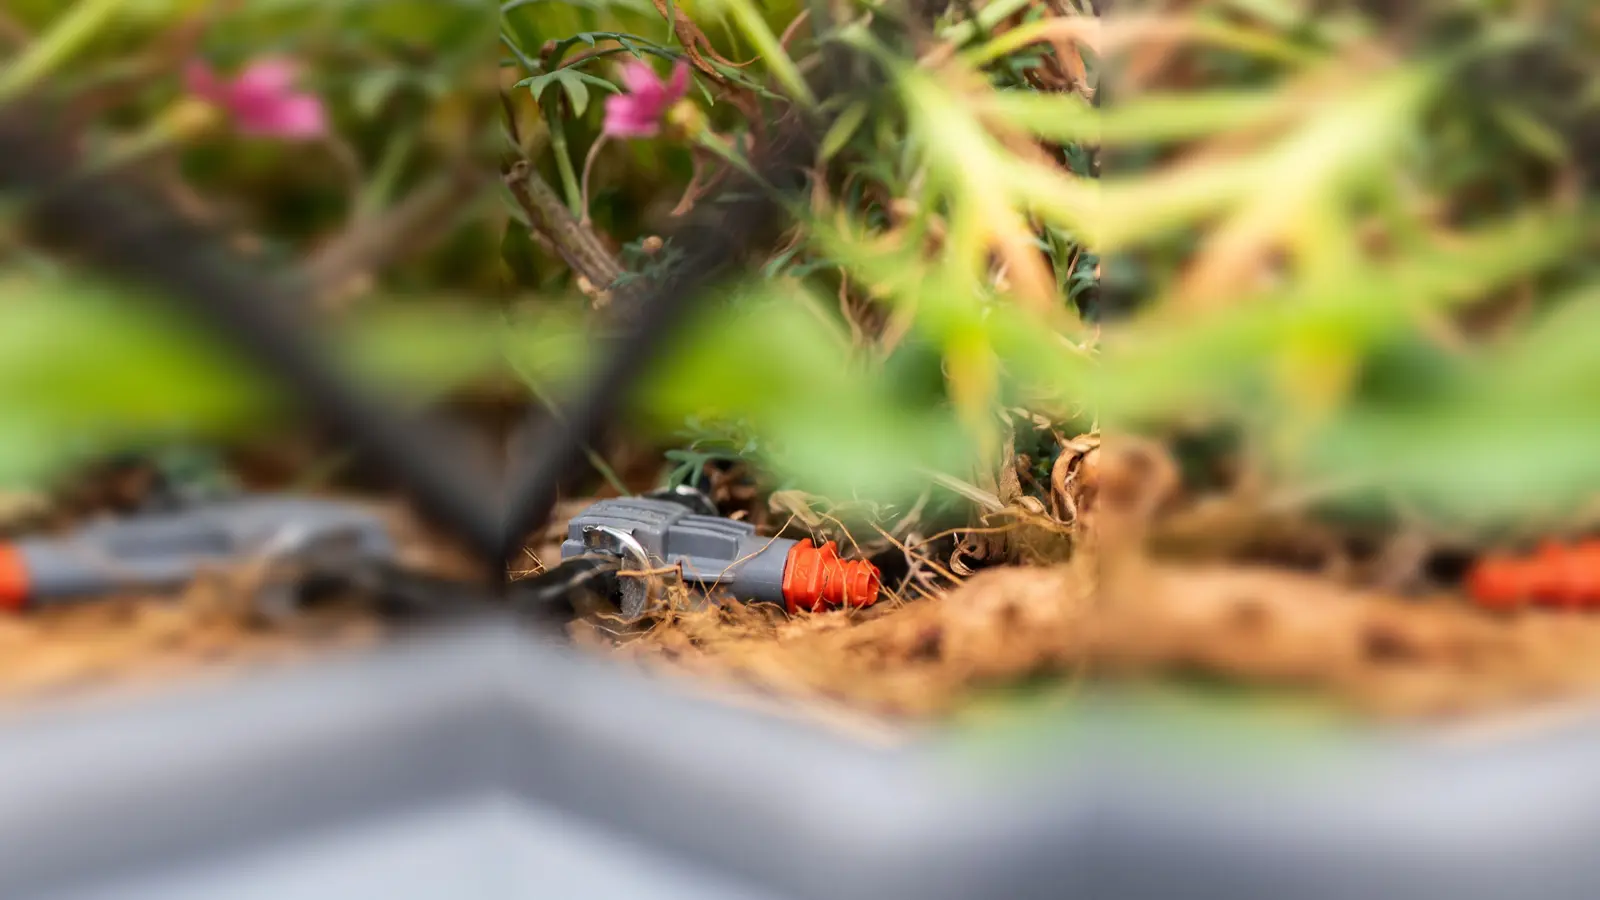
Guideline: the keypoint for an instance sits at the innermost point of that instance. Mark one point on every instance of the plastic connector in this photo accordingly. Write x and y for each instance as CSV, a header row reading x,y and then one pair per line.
x,y
15,583
1554,576
717,553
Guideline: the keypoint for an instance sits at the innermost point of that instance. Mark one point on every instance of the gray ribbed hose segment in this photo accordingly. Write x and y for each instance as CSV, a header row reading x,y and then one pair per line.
x,y
164,552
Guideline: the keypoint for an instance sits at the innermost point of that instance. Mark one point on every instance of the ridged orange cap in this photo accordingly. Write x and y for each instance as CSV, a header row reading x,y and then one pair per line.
x,y
816,578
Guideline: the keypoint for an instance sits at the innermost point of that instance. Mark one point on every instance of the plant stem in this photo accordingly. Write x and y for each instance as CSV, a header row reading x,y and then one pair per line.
x,y
583,187
52,48
576,243
180,122
569,177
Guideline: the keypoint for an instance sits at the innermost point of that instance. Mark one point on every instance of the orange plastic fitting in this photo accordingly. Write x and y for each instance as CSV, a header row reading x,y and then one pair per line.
x,y
815,578
14,581
1563,577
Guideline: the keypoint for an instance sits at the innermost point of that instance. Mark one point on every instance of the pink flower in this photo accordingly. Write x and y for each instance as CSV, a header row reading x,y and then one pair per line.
x,y
638,113
261,99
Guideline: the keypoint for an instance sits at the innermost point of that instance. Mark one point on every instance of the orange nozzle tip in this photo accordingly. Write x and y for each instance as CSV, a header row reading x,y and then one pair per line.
x,y
14,581
816,578
1497,583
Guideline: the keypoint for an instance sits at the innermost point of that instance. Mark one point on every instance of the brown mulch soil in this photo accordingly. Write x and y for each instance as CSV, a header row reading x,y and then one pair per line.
x,y
905,659
132,643
1118,611
1384,655
1381,655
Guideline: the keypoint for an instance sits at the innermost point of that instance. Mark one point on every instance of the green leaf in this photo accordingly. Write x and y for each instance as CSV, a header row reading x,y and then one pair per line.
x,y
374,88
598,5
537,83
82,361
577,93
1156,366
1068,118
843,129
633,44
573,83
1278,188
747,16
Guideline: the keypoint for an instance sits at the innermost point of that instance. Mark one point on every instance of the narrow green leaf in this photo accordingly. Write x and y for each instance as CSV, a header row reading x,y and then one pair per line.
x,y
843,129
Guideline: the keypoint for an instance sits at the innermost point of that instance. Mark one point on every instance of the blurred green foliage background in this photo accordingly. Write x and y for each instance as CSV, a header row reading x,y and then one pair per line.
x,y
1362,233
